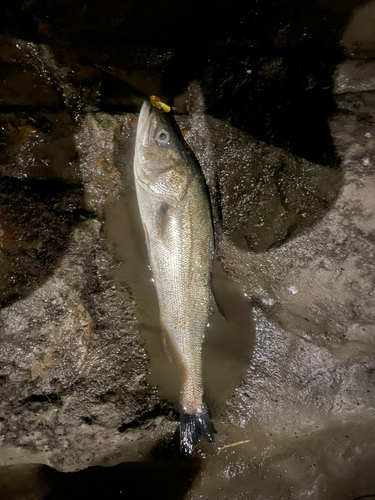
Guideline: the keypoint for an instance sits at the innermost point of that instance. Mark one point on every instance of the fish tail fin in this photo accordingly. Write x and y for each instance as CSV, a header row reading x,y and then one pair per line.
x,y
193,426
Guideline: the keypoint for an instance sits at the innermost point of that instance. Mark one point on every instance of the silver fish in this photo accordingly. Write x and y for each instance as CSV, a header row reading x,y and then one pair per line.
x,y
176,218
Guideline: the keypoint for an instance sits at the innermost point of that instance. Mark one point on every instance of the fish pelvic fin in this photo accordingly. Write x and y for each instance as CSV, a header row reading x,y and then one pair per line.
x,y
194,426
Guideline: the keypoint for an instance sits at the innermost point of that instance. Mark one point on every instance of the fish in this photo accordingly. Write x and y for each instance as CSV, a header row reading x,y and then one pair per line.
x,y
177,222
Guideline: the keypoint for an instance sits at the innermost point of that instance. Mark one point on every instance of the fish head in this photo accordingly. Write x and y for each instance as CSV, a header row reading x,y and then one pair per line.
x,y
161,163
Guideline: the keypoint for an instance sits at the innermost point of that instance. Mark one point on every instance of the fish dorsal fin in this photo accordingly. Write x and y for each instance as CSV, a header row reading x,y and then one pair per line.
x,y
167,343
214,308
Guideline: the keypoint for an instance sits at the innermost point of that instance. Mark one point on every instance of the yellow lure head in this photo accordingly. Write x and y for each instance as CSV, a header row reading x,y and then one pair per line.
x,y
156,102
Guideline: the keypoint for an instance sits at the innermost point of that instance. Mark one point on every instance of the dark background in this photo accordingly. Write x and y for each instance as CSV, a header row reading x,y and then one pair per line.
x,y
266,66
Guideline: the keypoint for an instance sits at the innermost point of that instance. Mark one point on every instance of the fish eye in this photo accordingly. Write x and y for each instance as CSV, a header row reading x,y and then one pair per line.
x,y
162,137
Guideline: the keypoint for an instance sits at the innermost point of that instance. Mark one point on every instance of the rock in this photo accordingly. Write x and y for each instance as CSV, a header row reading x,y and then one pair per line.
x,y
72,364
355,75
261,195
314,294
39,146
36,218
100,159
73,370
310,382
29,65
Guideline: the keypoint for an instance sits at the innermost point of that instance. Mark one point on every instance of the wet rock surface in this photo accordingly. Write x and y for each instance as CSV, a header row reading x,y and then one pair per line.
x,y
293,210
73,365
261,195
313,363
73,370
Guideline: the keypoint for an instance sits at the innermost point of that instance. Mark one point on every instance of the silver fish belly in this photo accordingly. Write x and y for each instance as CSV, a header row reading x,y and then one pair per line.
x,y
176,217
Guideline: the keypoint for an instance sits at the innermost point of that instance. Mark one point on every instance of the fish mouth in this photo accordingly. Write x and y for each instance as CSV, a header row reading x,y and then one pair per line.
x,y
144,123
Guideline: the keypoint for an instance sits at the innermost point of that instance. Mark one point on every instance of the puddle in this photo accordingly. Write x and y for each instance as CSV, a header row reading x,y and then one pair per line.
x,y
229,338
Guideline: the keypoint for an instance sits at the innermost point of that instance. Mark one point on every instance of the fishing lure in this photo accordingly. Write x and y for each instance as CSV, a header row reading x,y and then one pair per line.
x,y
156,102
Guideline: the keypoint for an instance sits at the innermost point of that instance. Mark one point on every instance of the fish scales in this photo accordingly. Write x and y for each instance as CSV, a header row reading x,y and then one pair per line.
x,y
176,217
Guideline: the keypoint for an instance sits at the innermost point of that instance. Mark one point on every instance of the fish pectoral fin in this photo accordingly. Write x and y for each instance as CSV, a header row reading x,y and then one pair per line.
x,y
167,343
214,308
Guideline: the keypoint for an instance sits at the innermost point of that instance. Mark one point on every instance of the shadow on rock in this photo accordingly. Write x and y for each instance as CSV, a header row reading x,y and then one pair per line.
x,y
264,67
35,222
267,68
166,475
